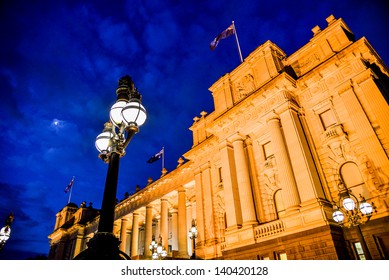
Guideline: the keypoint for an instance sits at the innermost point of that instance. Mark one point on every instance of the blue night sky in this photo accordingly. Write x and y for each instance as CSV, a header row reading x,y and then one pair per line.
x,y
60,62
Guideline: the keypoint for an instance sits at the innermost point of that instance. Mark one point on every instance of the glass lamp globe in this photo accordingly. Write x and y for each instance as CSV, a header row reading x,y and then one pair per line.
x,y
366,208
5,234
134,113
159,249
338,216
115,113
163,254
349,204
154,256
104,141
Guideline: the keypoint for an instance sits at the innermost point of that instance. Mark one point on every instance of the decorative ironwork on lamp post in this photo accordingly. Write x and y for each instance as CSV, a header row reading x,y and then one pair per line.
x,y
192,234
5,232
126,116
157,249
353,212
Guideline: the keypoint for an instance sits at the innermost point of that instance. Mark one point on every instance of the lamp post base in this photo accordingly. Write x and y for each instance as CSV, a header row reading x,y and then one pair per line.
x,y
103,246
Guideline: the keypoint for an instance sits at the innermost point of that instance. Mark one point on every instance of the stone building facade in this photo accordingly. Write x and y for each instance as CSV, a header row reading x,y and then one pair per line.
x,y
288,134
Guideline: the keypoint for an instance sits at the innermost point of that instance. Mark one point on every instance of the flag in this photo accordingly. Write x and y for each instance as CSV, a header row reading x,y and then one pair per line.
x,y
226,33
70,185
156,157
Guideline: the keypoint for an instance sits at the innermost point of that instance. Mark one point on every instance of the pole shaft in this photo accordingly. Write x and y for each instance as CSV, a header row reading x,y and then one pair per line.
x,y
237,43
107,213
363,243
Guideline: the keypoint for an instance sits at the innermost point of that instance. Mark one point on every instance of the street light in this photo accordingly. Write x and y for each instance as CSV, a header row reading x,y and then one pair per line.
x,y
158,251
5,232
353,212
192,234
126,116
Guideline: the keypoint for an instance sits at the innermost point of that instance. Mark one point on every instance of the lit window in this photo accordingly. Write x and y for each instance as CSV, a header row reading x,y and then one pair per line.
x,y
282,256
359,250
327,118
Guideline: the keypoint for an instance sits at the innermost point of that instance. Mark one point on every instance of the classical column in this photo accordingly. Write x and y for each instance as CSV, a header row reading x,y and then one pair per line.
x,y
305,173
78,244
123,235
363,127
255,187
148,230
174,214
135,234
285,171
199,205
209,219
189,218
231,194
244,184
164,222
182,227
373,101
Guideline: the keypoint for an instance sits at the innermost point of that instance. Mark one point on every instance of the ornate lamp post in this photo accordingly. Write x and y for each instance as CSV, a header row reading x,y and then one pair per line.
x,y
5,232
126,116
353,212
158,251
192,234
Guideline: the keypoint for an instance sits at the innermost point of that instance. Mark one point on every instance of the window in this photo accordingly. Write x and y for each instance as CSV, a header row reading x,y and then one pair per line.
x,y
352,178
268,150
281,256
220,175
279,203
327,118
359,251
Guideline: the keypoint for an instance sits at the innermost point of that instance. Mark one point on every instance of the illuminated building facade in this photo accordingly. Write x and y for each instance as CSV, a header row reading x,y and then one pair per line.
x,y
287,136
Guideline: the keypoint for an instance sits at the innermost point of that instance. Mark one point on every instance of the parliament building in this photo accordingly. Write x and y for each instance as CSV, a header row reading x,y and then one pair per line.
x,y
289,139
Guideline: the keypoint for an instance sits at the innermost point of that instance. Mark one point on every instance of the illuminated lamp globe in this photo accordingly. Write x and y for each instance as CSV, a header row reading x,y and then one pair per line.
x,y
154,256
104,142
134,113
338,216
349,204
115,113
366,208
163,254
5,234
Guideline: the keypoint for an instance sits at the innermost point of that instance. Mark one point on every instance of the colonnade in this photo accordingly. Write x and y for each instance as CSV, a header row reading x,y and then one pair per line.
x,y
155,222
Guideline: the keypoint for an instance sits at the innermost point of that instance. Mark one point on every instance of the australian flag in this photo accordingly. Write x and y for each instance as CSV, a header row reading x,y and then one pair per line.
x,y
226,33
156,157
68,187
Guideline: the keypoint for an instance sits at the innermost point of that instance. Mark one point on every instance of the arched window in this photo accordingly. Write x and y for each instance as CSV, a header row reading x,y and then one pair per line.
x,y
279,203
352,179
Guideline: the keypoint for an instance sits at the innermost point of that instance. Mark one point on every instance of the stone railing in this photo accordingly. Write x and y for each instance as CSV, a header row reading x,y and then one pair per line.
x,y
269,229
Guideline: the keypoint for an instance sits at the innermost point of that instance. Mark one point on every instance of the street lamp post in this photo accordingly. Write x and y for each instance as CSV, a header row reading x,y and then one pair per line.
x,y
5,232
192,234
353,212
157,250
126,116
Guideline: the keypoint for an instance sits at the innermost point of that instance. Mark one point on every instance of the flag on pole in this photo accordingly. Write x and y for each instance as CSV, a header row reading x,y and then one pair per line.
x,y
156,157
226,33
68,187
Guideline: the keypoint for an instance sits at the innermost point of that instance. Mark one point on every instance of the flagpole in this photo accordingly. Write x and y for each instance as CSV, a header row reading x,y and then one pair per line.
x,y
70,194
237,42
163,158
